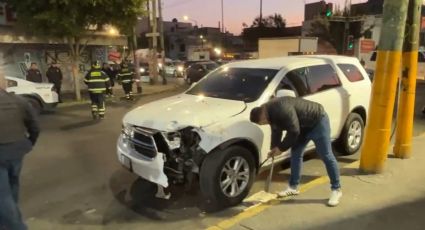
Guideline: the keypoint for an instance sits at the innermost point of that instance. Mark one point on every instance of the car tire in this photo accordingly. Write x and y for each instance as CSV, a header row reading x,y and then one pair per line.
x,y
216,182
351,137
35,104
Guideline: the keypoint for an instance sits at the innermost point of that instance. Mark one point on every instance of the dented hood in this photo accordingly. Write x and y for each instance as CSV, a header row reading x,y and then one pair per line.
x,y
183,110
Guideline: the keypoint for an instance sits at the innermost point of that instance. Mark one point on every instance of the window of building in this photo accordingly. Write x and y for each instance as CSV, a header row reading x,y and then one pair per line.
x,y
182,48
322,77
352,73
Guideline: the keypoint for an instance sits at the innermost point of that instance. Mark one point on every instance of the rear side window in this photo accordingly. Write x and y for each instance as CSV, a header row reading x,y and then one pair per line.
x,y
297,79
352,73
322,77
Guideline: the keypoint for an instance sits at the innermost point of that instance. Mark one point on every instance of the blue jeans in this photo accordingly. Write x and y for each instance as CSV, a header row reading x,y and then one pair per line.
x,y
320,135
10,216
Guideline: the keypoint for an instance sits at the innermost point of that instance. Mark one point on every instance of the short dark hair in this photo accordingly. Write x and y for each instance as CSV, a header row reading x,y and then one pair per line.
x,y
255,115
33,63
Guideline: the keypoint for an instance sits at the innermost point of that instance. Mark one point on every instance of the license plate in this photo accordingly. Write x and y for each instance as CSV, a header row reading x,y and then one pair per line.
x,y
125,161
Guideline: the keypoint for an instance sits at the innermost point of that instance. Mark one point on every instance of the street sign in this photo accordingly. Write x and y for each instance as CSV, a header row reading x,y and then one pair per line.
x,y
367,45
152,34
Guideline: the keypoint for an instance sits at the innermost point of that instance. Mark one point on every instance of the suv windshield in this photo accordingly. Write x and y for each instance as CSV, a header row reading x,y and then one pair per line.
x,y
242,84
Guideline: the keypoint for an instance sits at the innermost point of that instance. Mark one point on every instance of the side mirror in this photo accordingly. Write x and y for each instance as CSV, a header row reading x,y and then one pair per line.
x,y
285,93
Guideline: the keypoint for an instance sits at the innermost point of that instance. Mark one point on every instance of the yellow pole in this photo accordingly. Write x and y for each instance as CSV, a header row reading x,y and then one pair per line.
x,y
406,108
378,130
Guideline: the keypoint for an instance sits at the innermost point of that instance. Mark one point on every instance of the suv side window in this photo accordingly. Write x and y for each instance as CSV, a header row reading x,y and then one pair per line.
x,y
296,80
352,73
322,77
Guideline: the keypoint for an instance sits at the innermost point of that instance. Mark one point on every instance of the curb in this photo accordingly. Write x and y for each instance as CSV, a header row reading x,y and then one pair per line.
x,y
85,101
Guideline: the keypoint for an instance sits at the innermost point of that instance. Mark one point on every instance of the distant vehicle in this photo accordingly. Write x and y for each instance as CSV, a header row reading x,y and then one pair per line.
x,y
41,96
173,68
370,60
198,70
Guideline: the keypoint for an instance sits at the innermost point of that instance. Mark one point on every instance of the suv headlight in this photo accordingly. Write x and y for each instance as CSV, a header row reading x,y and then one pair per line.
x,y
173,140
127,130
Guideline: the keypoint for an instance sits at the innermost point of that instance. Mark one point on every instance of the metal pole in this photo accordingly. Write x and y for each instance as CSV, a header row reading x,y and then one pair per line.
x,y
154,43
222,17
406,108
136,61
161,31
378,130
261,13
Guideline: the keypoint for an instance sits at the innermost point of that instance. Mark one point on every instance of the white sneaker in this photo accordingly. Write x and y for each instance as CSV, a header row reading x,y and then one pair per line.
x,y
335,197
288,192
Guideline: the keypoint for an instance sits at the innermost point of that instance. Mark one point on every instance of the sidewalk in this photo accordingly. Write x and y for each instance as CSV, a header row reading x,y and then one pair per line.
x,y
392,200
147,89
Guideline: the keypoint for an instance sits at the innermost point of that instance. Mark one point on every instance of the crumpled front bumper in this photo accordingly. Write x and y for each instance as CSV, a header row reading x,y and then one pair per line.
x,y
149,169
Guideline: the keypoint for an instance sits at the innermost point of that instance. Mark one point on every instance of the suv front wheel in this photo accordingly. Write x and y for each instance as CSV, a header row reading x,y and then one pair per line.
x,y
351,138
227,176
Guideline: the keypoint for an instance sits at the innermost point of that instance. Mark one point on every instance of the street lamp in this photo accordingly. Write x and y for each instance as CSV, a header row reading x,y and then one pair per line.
x,y
186,18
112,31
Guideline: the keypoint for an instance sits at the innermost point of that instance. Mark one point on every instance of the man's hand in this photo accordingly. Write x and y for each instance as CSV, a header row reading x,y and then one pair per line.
x,y
274,152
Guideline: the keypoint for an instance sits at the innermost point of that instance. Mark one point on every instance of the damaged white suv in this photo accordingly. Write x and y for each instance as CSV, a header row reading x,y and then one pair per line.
x,y
206,130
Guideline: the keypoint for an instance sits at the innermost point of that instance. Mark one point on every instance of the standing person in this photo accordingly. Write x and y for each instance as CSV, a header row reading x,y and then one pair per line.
x,y
54,75
109,70
303,121
18,133
125,76
97,82
34,74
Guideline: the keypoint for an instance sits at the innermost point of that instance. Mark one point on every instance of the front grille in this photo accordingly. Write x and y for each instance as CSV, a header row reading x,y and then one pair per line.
x,y
144,142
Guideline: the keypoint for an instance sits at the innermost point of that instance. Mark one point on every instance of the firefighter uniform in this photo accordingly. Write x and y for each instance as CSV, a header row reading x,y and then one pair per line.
x,y
125,76
97,82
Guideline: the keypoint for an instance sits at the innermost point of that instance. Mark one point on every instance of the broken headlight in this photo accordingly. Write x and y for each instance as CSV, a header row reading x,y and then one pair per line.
x,y
127,130
173,140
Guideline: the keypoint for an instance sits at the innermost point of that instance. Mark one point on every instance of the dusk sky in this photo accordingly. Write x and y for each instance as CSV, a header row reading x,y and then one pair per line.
x,y
236,12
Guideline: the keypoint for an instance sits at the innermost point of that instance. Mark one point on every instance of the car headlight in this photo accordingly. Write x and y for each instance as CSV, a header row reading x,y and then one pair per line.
x,y
127,130
142,70
173,140
180,68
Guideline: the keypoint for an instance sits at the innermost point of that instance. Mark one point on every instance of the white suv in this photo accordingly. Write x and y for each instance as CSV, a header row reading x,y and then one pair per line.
x,y
41,96
206,130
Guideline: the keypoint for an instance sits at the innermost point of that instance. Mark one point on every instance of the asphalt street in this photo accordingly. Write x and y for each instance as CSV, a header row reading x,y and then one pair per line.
x,y
73,180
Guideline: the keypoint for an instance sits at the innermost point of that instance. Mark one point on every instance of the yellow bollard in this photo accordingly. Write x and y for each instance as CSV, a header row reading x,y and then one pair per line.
x,y
406,109
378,130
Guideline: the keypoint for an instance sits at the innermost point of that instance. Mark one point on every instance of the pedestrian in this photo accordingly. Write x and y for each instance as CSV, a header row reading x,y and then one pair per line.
x,y
54,76
110,71
125,76
303,121
97,82
19,131
34,74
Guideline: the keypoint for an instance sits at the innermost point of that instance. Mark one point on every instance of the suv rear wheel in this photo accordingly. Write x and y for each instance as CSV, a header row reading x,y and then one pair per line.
x,y
227,176
351,138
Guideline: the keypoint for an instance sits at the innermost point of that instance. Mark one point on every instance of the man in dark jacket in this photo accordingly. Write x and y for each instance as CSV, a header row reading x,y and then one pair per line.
x,y
303,121
18,133
97,82
33,74
54,75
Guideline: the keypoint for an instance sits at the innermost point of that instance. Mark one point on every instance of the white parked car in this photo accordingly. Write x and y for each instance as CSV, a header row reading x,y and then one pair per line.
x,y
206,130
41,96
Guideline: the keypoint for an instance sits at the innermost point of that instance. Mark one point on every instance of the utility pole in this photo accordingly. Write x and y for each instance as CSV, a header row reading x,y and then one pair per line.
x,y
136,61
378,130
161,34
222,17
261,13
406,108
154,34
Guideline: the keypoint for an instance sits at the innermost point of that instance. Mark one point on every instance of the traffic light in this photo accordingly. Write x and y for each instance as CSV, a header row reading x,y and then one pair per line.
x,y
350,42
328,10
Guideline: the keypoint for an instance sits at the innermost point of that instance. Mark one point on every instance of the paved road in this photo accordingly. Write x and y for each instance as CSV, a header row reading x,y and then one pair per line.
x,y
72,179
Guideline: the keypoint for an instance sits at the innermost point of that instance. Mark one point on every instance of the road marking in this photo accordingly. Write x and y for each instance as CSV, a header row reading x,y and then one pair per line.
x,y
258,208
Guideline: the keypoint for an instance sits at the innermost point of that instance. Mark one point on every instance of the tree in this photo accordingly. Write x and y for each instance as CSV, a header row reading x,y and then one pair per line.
x,y
270,26
272,21
70,20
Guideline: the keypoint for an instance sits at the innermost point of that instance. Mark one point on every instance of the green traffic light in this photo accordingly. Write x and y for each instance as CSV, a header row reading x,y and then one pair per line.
x,y
350,46
328,13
